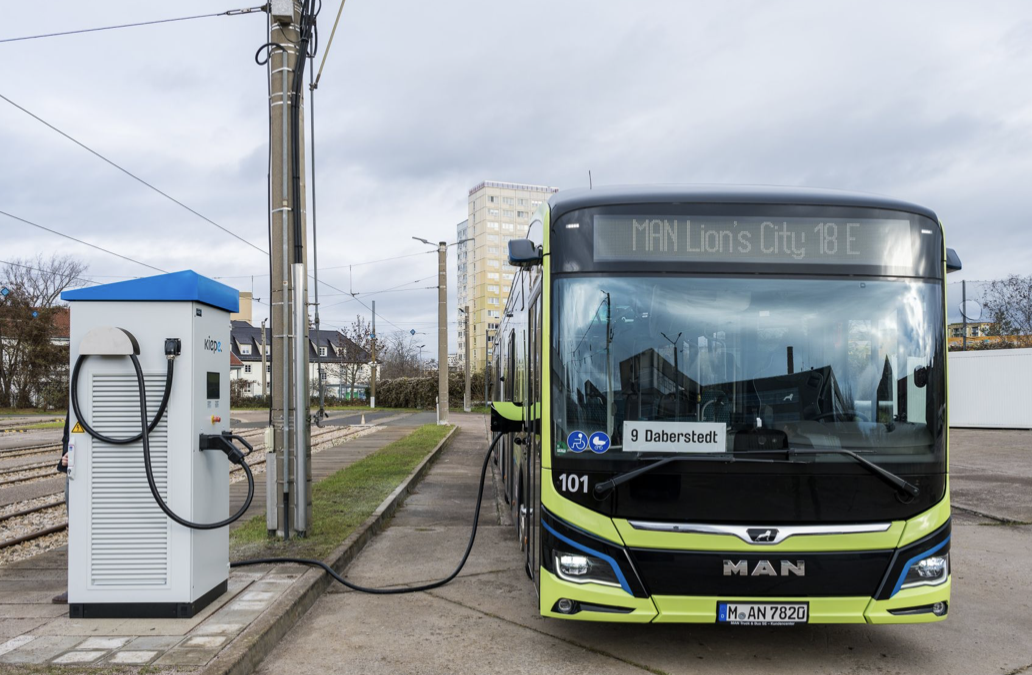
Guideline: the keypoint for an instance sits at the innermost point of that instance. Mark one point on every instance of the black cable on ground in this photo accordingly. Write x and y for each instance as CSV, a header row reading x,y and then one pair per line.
x,y
394,591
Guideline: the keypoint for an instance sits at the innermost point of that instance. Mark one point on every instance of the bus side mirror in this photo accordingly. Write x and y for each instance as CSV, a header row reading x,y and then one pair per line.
x,y
952,261
524,253
506,417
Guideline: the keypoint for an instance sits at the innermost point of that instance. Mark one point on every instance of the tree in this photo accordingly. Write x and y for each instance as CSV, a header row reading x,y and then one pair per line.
x,y
1008,305
33,368
399,357
352,354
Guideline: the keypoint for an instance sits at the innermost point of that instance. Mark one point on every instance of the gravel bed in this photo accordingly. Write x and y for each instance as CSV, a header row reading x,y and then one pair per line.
x,y
30,522
34,547
38,473
31,503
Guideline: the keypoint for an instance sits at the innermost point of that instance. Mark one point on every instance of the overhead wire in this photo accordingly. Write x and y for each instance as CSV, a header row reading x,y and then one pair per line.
x,y
231,12
131,174
36,269
86,243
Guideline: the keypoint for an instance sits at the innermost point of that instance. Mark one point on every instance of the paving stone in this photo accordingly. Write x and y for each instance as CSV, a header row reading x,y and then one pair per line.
x,y
133,657
104,643
80,657
257,596
10,628
41,649
161,642
203,641
14,643
27,611
186,657
215,628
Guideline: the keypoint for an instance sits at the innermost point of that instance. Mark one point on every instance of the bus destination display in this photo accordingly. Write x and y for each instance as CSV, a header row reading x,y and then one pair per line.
x,y
855,241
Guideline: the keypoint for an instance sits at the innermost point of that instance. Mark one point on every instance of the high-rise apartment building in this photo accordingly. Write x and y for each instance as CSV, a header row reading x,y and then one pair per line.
x,y
498,212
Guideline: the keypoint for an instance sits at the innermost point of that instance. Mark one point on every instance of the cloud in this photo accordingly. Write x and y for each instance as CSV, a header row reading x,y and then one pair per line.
x,y
419,101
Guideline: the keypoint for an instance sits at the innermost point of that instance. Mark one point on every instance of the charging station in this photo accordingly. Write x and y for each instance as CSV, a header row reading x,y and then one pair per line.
x,y
126,557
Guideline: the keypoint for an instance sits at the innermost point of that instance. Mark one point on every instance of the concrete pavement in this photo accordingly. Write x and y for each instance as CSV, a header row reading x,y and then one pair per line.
x,y
487,621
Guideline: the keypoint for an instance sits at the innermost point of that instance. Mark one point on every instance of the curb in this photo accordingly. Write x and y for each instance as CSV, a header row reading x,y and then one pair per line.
x,y
258,640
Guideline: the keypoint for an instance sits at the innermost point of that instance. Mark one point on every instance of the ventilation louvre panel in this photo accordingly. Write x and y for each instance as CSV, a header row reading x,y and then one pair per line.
x,y
129,533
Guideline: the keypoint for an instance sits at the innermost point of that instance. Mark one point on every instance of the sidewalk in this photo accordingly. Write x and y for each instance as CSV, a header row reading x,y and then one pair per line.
x,y
34,631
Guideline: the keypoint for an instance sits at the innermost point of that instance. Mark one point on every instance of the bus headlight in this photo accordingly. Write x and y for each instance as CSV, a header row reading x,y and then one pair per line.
x,y
930,571
581,569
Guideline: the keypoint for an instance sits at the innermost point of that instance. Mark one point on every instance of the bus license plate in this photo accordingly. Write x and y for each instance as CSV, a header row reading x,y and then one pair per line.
x,y
763,613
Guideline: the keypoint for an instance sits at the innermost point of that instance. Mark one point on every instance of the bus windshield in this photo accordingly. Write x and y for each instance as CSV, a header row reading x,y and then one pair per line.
x,y
780,363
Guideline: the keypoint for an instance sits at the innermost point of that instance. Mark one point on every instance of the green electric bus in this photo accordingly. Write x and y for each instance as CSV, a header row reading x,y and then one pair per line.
x,y
728,404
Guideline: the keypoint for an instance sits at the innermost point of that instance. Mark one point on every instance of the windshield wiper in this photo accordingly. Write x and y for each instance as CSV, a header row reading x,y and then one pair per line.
x,y
886,475
603,488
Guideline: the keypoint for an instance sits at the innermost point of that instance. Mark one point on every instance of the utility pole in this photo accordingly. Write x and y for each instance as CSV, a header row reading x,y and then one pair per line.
x,y
487,361
442,325
372,372
289,479
467,399
265,373
442,332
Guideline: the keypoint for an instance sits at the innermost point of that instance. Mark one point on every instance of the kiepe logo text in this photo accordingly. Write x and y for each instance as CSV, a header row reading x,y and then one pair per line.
x,y
214,346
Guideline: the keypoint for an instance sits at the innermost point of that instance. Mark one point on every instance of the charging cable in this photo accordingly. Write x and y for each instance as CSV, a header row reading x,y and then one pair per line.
x,y
222,442
237,457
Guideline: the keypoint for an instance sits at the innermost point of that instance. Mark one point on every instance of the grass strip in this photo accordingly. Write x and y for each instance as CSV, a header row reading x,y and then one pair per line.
x,y
42,425
342,501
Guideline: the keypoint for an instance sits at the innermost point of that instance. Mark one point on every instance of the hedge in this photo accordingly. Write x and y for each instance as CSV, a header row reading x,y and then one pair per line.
x,y
421,392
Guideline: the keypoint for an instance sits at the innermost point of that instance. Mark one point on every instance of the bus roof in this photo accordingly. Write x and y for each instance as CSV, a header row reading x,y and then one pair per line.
x,y
578,198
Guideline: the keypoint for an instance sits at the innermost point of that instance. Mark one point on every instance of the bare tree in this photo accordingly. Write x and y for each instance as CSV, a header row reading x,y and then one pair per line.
x,y
40,282
33,365
1008,305
400,358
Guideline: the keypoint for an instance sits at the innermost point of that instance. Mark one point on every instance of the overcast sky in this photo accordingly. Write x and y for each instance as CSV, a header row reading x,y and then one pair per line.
x,y
928,102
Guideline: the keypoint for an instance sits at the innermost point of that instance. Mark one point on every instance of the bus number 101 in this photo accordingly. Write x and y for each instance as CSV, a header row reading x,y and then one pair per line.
x,y
573,483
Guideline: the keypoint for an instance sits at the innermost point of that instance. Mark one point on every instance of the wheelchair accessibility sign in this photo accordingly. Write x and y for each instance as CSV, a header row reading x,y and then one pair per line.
x,y
577,441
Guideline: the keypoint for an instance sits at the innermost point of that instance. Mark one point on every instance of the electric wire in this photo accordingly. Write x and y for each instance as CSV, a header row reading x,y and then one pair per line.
x,y
131,174
36,269
231,12
86,243
372,262
403,589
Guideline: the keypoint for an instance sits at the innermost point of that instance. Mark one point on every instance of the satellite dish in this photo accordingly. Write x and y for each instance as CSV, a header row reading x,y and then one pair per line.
x,y
971,310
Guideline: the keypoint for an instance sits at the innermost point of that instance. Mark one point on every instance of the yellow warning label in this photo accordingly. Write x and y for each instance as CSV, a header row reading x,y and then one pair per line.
x,y
77,429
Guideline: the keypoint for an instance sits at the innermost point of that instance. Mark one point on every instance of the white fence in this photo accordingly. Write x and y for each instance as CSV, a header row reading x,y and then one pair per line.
x,y
991,389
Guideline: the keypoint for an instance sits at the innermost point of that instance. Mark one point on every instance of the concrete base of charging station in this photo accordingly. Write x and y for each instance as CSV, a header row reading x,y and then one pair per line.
x,y
230,636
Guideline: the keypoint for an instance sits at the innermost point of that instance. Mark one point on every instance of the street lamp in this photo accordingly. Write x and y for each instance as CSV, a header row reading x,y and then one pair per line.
x,y
442,324
420,348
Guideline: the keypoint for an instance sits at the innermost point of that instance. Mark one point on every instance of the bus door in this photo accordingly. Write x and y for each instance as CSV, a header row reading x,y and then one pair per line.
x,y
533,443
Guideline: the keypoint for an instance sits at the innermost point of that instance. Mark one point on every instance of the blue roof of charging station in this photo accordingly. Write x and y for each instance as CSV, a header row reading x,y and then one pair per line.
x,y
185,286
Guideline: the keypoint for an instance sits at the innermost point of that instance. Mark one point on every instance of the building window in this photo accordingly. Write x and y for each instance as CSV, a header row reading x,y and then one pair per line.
x,y
492,301
508,277
492,250
493,276
322,351
507,227
247,369
492,212
494,314
521,214
491,225
507,213
493,263
491,199
268,369
322,376
492,289
521,202
245,350
508,200
492,237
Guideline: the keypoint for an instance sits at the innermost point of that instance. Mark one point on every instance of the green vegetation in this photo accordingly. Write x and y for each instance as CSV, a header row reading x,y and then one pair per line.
x,y
342,502
18,412
480,409
42,425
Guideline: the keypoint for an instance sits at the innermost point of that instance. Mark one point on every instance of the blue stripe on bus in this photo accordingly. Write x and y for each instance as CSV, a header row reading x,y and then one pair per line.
x,y
919,556
590,551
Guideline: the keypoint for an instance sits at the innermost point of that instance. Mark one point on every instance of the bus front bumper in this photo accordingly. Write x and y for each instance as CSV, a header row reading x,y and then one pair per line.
x,y
593,602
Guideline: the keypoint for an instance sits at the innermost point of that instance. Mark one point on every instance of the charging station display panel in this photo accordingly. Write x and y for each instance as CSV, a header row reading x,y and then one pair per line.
x,y
213,385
